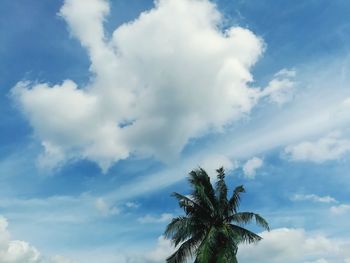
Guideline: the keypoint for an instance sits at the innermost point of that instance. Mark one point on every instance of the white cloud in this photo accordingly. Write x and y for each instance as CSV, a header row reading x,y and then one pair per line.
x,y
20,251
52,156
65,126
148,99
294,245
104,208
340,209
166,217
163,250
212,162
314,198
281,88
250,167
132,205
17,251
331,147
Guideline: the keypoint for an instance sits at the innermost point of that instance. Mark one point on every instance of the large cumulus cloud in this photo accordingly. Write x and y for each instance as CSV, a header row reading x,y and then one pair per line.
x,y
167,77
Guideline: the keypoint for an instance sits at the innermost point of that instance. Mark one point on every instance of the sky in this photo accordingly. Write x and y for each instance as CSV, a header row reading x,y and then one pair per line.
x,y
106,106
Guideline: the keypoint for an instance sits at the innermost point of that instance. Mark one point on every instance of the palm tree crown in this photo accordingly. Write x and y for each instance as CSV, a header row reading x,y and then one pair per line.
x,y
212,227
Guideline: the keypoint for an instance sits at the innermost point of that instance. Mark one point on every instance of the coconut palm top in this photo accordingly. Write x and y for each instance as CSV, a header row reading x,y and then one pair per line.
x,y
212,228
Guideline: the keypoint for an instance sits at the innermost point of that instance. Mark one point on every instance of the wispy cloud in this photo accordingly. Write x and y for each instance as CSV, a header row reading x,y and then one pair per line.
x,y
149,219
132,205
314,198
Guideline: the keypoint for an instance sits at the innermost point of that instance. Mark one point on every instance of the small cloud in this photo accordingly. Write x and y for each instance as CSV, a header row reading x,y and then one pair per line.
x,y
340,209
281,89
52,157
250,167
330,147
163,249
286,73
132,205
104,208
214,161
148,219
314,198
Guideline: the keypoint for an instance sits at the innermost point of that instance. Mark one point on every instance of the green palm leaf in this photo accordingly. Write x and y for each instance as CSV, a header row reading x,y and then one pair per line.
x,y
184,251
235,200
245,235
247,217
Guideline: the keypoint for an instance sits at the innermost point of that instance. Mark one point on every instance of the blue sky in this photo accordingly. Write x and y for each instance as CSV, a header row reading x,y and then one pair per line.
x,y
105,107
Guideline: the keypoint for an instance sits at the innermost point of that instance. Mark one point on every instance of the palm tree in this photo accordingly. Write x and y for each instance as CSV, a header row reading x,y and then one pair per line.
x,y
212,228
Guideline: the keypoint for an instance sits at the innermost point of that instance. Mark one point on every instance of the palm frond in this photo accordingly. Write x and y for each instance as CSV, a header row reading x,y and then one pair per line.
x,y
243,218
235,200
244,235
262,222
182,228
188,204
184,251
